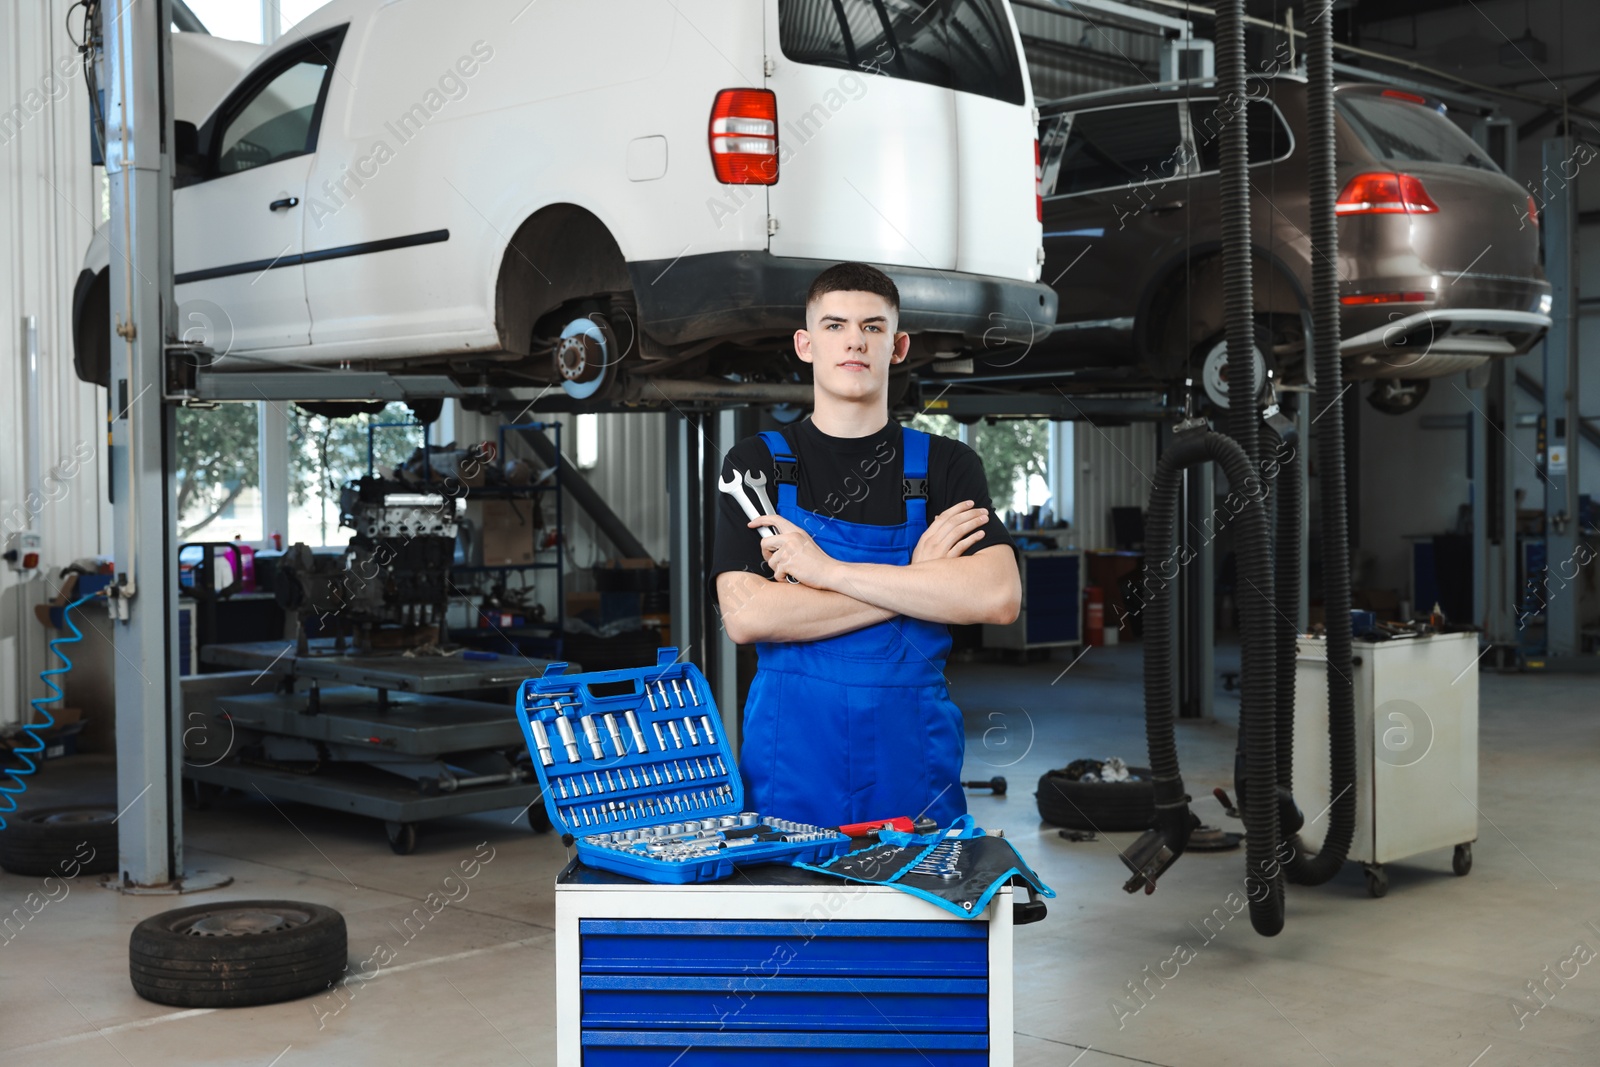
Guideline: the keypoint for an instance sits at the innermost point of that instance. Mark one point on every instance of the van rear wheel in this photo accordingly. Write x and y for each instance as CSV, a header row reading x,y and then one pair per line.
x,y
1212,359
586,357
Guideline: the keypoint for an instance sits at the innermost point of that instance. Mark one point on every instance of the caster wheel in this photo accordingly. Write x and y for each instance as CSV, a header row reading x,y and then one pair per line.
x,y
1461,862
539,820
1377,881
402,837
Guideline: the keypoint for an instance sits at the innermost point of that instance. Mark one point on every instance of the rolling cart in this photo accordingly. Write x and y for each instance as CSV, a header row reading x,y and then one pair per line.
x,y
370,734
1416,709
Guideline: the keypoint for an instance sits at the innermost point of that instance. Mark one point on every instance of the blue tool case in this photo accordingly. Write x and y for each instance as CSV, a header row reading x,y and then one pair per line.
x,y
635,768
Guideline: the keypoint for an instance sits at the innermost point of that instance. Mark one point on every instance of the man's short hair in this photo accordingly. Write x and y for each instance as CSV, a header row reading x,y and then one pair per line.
x,y
854,278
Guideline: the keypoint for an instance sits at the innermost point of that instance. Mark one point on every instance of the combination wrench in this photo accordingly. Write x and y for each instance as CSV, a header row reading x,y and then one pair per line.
x,y
734,487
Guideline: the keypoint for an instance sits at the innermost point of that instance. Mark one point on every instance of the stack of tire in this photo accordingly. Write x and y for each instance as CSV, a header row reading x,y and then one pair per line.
x,y
1066,800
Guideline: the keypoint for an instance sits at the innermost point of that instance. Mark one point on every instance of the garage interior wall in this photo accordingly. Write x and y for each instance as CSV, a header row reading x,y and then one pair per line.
x,y
1112,468
630,475
1415,480
50,197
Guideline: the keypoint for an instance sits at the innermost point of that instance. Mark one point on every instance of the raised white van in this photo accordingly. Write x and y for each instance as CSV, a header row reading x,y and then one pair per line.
x,y
599,194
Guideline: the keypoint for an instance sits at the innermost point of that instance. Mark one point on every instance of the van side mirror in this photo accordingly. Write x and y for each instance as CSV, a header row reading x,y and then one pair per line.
x,y
188,161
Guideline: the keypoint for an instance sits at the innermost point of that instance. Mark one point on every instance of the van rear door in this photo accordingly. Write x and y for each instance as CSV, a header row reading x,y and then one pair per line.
x,y
904,135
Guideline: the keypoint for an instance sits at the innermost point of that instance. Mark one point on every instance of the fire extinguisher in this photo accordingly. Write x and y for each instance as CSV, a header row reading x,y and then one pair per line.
x,y
1094,615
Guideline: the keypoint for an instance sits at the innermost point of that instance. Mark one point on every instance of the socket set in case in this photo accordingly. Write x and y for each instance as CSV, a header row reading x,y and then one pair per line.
x,y
636,770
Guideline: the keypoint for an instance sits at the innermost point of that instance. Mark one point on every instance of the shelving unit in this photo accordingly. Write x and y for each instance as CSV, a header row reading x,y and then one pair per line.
x,y
541,636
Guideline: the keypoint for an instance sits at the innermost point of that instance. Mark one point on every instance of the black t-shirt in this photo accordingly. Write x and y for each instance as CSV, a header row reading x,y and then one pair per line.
x,y
856,479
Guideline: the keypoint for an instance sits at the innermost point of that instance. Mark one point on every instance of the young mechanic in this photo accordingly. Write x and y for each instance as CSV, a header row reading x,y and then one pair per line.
x,y
848,717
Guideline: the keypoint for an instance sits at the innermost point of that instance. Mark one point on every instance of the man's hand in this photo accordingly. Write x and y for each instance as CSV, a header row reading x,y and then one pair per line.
x,y
792,551
955,530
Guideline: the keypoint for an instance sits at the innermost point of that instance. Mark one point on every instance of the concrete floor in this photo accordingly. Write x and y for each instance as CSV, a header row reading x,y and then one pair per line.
x,y
1427,975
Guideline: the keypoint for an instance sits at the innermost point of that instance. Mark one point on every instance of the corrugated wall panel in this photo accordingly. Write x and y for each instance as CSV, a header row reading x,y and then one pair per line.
x,y
1114,467
49,199
632,475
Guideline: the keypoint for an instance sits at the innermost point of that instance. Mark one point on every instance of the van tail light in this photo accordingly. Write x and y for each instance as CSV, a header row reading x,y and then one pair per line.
x,y
1356,299
1384,193
744,137
1038,182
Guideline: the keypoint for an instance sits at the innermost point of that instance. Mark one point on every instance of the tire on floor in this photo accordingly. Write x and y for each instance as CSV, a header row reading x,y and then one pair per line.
x,y
62,841
1105,807
230,954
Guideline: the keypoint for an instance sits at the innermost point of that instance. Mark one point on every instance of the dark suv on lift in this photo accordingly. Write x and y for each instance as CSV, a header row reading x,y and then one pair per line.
x,y
1438,249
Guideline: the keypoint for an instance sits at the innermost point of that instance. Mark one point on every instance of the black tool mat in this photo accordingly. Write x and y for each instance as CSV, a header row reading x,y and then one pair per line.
x,y
960,879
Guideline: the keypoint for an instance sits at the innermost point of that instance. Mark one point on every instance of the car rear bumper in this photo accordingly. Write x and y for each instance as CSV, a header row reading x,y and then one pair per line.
x,y
1430,344
1471,320
729,294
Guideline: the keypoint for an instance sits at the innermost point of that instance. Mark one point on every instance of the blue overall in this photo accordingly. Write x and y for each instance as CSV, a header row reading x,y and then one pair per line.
x,y
858,726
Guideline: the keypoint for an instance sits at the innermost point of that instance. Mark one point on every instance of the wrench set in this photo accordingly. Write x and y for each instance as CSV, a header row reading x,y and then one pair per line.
x,y
635,769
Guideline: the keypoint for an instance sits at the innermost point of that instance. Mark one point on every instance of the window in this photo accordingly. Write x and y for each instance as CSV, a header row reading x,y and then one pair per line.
x,y
1409,133
1267,138
1015,455
325,453
957,44
218,473
588,441
1118,146
279,121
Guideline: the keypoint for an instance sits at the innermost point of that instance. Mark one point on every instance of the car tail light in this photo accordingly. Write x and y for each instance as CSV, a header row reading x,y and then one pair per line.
x,y
744,137
1533,211
1038,182
1408,97
1384,193
1384,298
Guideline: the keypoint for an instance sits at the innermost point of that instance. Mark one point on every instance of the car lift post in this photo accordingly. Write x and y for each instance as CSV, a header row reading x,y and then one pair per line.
x,y
138,131
1562,528
1494,533
694,462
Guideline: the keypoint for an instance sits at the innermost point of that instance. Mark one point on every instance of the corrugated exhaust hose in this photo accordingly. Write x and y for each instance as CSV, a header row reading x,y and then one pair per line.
x,y
1329,418
1157,849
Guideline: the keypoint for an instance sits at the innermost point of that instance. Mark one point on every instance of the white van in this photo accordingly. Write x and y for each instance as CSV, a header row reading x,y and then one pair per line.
x,y
460,185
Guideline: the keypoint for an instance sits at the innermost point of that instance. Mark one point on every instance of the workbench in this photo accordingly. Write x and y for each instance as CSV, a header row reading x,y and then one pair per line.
x,y
776,966
367,733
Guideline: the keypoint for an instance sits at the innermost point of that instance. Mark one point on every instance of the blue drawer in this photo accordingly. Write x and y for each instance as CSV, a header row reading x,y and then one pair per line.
x,y
754,1002
610,1048
957,949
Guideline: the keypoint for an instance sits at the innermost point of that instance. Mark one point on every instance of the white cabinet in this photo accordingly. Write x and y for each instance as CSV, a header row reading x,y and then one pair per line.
x,y
1416,710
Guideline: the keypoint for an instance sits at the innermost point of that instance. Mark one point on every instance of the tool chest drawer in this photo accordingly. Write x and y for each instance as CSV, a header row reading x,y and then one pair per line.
x,y
753,1002
837,947
783,992
625,1048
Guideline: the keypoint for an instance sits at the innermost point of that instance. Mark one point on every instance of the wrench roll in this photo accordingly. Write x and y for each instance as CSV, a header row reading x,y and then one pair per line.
x,y
635,769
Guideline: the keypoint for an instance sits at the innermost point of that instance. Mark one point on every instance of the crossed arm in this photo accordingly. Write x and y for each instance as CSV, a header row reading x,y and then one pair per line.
x,y
940,584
